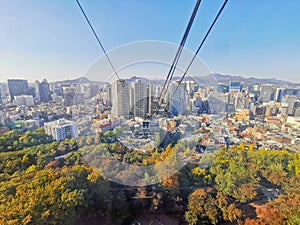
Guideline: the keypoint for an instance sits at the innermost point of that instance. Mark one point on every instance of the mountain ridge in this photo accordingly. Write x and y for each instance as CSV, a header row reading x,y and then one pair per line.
x,y
210,79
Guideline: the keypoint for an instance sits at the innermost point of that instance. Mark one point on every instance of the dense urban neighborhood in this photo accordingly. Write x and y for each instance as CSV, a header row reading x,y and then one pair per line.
x,y
218,153
265,115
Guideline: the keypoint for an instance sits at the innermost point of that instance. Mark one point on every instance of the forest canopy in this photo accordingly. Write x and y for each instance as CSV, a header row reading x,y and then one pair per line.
x,y
236,185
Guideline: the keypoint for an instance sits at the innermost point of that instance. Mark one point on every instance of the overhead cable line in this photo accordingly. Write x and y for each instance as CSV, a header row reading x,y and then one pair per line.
x,y
179,50
97,38
200,46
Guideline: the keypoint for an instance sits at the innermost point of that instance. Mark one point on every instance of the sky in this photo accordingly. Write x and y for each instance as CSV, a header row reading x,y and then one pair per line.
x,y
51,39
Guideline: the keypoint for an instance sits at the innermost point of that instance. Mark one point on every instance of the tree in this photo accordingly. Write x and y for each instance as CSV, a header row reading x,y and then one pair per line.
x,y
89,141
233,213
233,175
31,169
187,152
43,200
201,176
202,208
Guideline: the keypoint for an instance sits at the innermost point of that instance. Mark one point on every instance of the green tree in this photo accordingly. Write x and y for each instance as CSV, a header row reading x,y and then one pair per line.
x,y
202,208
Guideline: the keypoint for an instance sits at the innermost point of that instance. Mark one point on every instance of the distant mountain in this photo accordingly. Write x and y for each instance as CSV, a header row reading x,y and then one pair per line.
x,y
80,80
213,79
135,78
86,80
210,79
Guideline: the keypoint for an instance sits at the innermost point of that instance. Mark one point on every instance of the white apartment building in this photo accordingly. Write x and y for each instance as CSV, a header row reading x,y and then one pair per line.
x,y
24,100
61,129
121,99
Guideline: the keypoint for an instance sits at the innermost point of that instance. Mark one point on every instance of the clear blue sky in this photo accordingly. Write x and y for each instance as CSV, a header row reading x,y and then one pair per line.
x,y
50,39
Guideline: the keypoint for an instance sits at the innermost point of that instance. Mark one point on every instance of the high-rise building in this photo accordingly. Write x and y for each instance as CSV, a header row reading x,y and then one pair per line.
x,y
78,98
85,89
107,89
218,103
241,101
26,100
31,91
190,87
267,93
121,99
42,91
69,95
157,90
94,89
259,110
61,129
150,97
297,109
201,106
235,86
284,109
17,87
140,98
57,91
89,90
280,92
177,98
289,101
222,88
272,109
291,91
131,98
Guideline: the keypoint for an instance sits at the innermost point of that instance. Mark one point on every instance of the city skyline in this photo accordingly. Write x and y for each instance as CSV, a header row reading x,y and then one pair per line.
x,y
247,40
144,130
